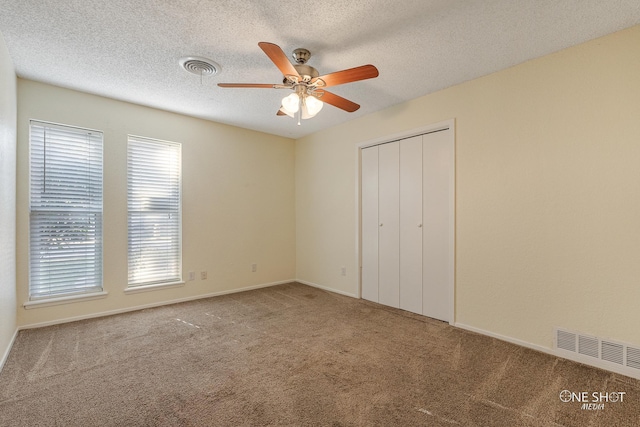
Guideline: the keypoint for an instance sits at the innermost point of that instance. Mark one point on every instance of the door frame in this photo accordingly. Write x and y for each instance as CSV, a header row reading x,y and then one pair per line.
x,y
440,126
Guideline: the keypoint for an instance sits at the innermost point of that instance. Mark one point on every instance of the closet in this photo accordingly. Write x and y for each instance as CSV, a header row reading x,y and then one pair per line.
x,y
407,223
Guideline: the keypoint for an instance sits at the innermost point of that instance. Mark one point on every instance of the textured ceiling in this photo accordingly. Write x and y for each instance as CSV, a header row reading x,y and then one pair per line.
x,y
129,50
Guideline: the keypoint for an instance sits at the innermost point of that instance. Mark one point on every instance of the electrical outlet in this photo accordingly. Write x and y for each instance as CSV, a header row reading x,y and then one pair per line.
x,y
343,271
254,268
192,276
203,275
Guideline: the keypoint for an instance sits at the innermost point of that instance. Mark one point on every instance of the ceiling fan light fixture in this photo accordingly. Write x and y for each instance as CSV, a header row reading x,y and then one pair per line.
x,y
313,105
286,113
304,114
291,103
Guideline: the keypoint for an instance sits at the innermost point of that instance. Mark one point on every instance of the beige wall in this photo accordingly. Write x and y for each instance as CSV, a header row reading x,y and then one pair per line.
x,y
238,199
547,193
7,201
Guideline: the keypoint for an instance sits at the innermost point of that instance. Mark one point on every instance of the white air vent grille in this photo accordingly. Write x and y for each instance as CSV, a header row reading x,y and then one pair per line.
x,y
612,352
588,346
603,353
566,340
199,65
633,357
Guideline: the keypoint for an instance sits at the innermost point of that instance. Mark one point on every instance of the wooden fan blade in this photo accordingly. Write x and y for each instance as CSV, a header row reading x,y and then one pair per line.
x,y
351,75
254,85
281,113
337,101
279,58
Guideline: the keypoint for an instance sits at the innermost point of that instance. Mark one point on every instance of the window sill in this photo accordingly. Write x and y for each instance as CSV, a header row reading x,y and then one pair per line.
x,y
64,300
154,287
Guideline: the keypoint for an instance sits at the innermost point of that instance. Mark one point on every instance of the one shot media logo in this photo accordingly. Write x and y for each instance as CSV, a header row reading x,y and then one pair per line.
x,y
592,401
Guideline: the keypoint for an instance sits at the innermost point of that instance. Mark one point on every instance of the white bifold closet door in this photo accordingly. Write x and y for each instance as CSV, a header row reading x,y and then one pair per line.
x,y
437,212
411,224
389,227
369,223
406,218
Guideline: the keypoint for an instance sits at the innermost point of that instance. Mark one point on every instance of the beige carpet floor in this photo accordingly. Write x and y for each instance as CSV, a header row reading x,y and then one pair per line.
x,y
292,355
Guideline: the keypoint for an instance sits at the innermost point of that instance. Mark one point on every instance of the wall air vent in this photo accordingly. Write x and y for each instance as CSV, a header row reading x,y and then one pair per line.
x,y
633,357
612,352
602,353
566,340
588,345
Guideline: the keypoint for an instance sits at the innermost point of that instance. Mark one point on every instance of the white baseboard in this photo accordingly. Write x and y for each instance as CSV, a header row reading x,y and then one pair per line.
x,y
151,305
507,339
5,356
557,353
324,288
598,363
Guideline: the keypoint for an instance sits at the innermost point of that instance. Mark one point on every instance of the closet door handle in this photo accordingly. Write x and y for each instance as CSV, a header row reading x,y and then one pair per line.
x,y
380,224
419,225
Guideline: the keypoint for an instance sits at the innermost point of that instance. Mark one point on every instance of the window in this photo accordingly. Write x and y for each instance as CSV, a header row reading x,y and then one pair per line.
x,y
65,211
154,205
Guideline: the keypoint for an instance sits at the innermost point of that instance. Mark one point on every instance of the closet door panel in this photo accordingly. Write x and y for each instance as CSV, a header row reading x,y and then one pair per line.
x,y
388,227
411,224
370,224
437,164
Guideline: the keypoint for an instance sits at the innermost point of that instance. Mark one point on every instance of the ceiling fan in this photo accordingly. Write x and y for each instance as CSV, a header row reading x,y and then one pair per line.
x,y
307,84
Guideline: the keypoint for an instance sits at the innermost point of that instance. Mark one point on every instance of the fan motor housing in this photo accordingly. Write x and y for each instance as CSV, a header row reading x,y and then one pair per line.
x,y
307,73
307,70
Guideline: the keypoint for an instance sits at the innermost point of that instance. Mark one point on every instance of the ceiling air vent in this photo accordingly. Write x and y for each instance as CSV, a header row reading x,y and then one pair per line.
x,y
199,65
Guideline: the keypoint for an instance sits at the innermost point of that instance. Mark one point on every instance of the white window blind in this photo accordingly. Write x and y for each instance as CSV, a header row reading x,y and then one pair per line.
x,y
65,251
154,211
